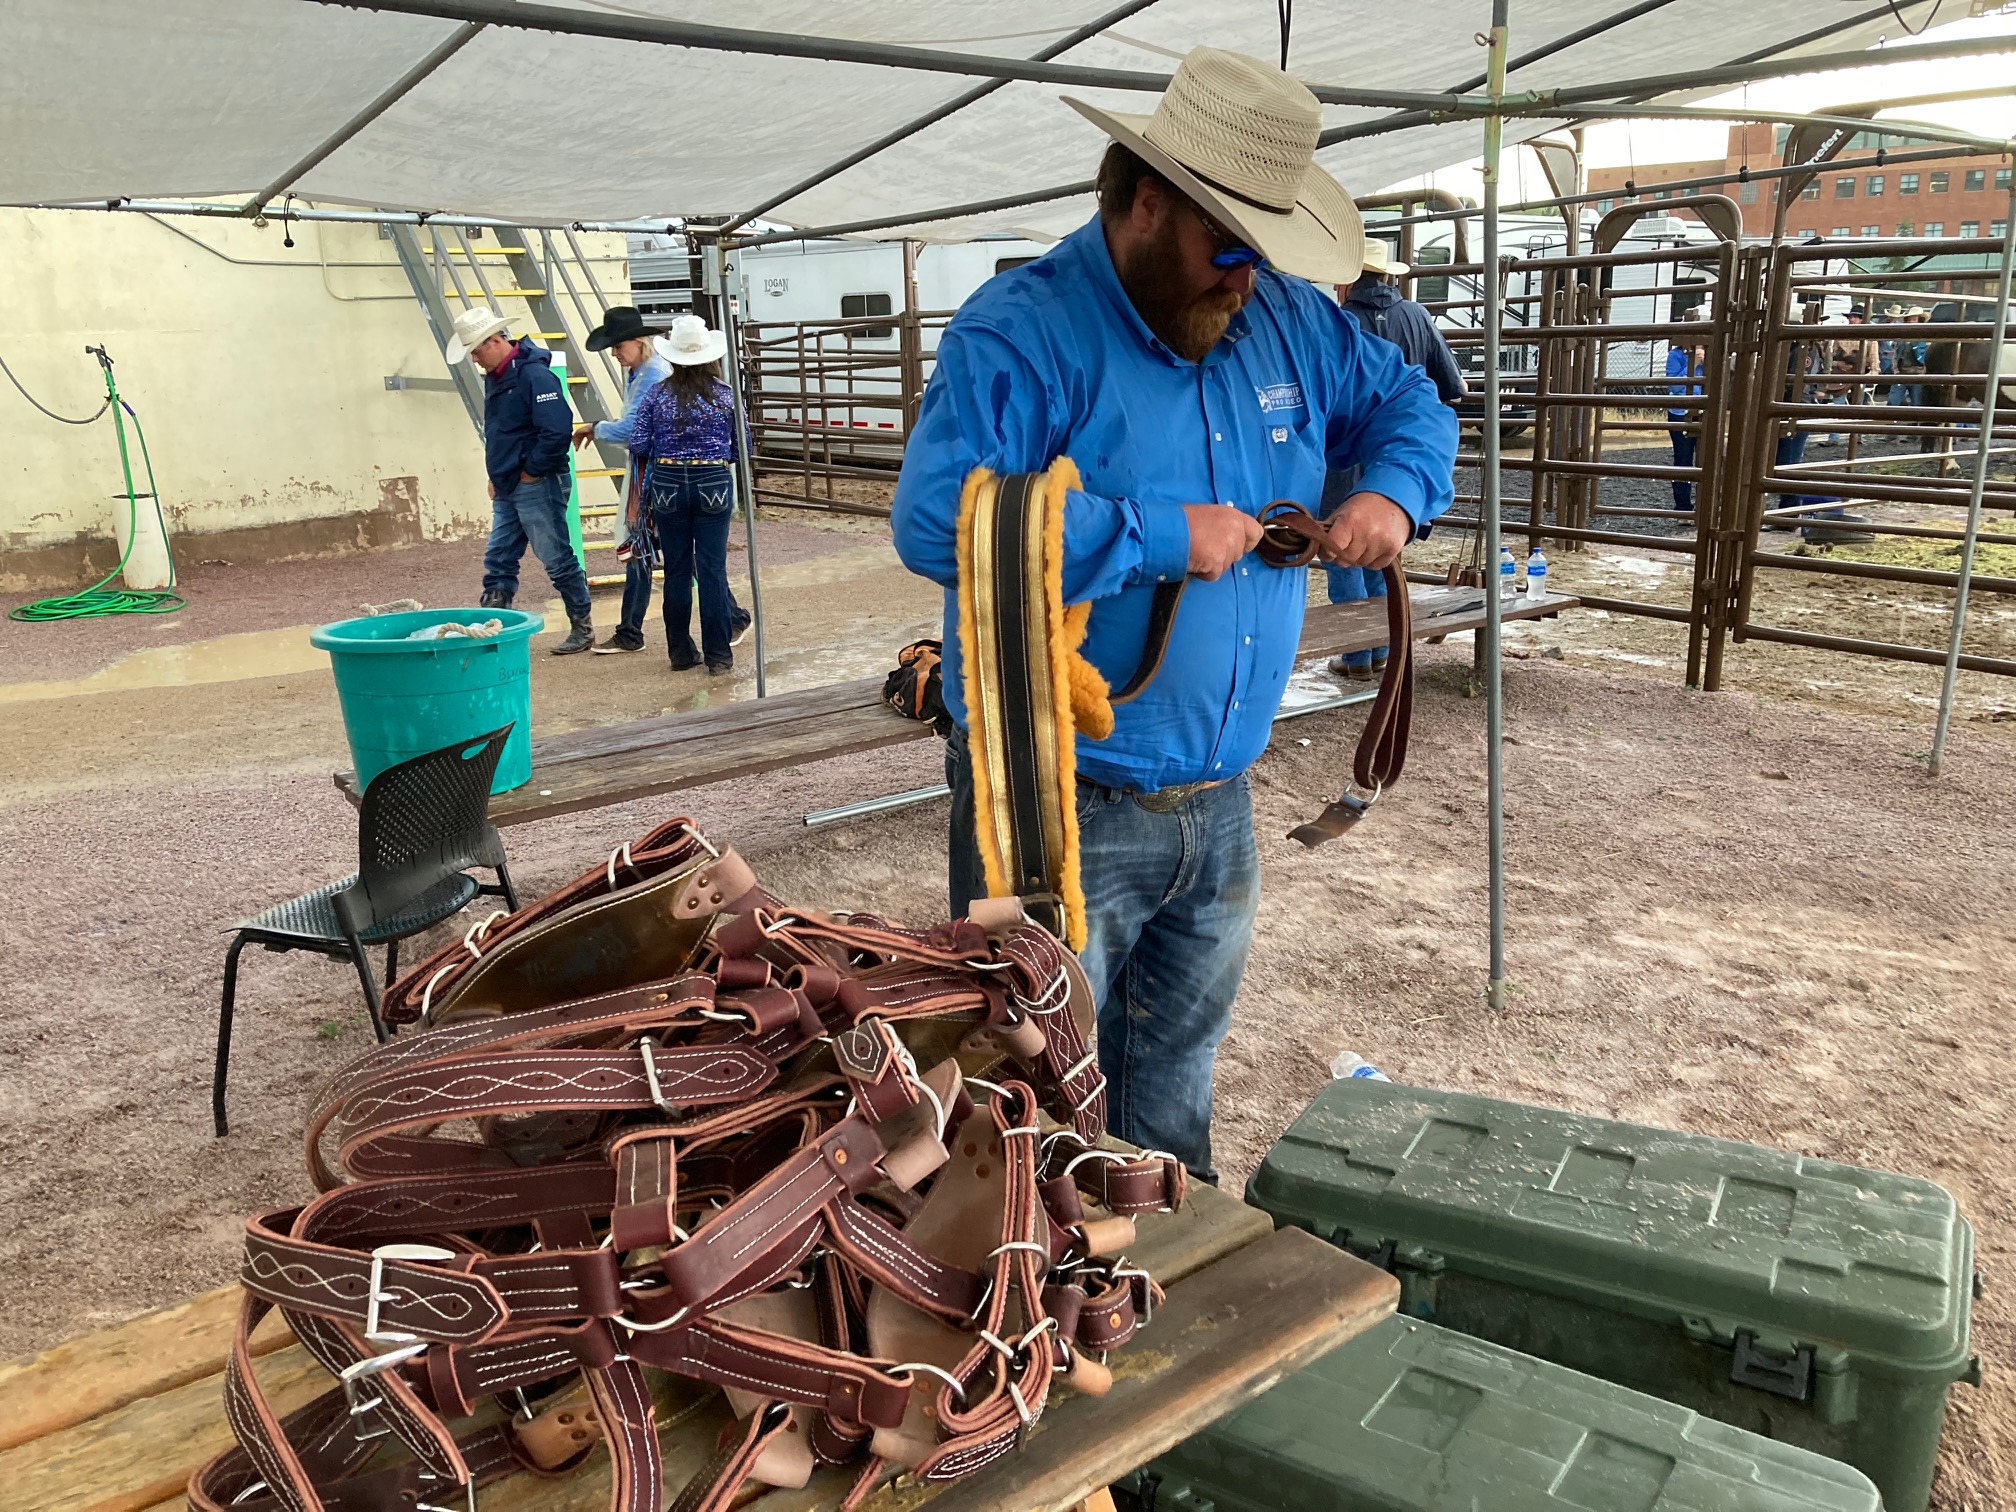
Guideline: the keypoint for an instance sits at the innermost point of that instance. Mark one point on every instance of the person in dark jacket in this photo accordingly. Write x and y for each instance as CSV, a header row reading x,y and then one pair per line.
x,y
526,428
1379,308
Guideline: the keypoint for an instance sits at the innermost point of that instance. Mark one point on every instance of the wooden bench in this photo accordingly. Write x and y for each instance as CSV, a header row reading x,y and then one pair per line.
x,y
117,1420
616,763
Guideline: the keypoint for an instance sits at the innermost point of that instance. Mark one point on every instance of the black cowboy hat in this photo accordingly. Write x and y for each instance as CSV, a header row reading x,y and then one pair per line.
x,y
620,323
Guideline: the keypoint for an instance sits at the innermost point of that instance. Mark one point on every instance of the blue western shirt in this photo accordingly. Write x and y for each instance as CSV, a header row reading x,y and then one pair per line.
x,y
1052,359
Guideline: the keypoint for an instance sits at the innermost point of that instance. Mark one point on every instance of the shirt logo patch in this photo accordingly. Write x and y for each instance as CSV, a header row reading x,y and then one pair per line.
x,y
542,398
1280,433
1280,396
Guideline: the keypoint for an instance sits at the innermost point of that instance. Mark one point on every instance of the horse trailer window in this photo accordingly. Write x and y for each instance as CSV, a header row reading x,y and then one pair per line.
x,y
1429,290
1003,264
854,306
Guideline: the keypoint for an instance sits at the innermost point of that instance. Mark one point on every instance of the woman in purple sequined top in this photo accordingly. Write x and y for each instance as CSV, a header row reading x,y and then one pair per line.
x,y
685,444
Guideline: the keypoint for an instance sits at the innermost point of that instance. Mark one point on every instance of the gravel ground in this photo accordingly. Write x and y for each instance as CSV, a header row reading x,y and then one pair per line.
x,y
1735,914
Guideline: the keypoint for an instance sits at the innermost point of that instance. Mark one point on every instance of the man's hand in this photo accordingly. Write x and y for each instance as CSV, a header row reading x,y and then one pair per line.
x,y
1368,530
583,434
493,490
1219,536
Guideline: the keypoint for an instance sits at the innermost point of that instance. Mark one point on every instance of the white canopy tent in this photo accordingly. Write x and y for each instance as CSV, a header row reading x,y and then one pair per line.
x,y
920,117
115,99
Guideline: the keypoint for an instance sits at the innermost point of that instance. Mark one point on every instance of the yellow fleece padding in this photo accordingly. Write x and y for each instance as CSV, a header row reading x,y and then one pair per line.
x,y
1081,696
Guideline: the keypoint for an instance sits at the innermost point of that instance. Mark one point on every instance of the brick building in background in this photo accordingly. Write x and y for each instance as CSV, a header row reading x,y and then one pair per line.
x,y
1958,196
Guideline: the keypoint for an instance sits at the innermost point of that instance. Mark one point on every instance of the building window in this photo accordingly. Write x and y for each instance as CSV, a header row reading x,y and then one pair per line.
x,y
854,306
1844,188
1805,233
2001,178
1998,228
1873,187
1938,184
1906,228
1811,191
1872,232
1935,228
1976,178
1907,183
1603,206
1746,194
1970,228
1842,231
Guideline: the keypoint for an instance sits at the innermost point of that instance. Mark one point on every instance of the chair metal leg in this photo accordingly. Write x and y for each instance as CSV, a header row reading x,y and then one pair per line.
x,y
363,964
391,962
510,892
223,1064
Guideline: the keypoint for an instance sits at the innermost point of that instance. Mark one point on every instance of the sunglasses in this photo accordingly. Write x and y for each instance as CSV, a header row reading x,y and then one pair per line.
x,y
1230,252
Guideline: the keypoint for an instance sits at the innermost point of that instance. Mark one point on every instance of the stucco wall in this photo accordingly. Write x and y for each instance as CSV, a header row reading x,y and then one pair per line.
x,y
262,389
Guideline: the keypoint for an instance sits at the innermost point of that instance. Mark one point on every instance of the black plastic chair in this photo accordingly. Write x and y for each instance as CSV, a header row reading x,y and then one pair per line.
x,y
422,823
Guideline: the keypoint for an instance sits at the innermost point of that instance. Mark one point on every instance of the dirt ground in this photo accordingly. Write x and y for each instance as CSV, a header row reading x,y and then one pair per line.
x,y
1749,914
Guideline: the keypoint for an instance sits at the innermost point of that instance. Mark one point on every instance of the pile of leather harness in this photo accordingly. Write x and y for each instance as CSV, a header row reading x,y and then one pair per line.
x,y
660,1122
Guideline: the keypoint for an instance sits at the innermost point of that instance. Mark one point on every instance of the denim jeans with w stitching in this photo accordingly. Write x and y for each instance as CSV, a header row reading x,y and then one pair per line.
x,y
1169,907
691,510
534,514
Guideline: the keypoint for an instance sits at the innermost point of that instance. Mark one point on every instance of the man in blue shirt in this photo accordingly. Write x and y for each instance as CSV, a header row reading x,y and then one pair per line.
x,y
1173,350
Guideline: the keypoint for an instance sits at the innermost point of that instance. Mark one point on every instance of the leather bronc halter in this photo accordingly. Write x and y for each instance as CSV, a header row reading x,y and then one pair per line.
x,y
659,1121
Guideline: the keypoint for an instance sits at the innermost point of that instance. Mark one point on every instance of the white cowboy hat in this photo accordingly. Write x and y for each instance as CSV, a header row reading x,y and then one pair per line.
x,y
1239,137
473,327
688,342
1379,258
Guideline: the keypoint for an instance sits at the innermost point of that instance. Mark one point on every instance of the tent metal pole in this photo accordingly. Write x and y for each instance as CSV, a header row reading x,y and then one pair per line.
x,y
453,43
1989,395
529,16
1407,118
1515,106
953,106
1494,664
211,210
745,468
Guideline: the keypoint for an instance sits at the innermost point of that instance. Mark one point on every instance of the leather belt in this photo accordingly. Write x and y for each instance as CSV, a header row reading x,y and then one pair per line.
x,y
849,1172
1163,800
693,461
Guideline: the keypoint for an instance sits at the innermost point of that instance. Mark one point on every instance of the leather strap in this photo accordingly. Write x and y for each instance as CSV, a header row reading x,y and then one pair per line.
x,y
1292,537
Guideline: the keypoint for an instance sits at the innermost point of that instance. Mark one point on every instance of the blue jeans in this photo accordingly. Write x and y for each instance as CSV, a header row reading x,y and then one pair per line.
x,y
691,508
1169,906
637,601
534,514
1684,444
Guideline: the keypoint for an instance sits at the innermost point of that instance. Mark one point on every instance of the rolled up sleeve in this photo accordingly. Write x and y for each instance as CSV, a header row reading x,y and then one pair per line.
x,y
988,405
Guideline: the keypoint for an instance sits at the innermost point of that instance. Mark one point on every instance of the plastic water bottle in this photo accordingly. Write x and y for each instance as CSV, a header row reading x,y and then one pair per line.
x,y
1536,574
1350,1066
1508,572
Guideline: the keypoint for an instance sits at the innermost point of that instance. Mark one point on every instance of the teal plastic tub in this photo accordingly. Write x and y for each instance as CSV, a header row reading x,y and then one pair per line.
x,y
402,698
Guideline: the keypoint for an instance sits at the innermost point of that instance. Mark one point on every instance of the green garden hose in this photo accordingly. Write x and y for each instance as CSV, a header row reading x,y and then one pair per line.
x,y
98,600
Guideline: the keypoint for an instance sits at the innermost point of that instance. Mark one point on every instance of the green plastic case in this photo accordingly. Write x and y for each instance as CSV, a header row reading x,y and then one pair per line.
x,y
1818,1304
1414,1418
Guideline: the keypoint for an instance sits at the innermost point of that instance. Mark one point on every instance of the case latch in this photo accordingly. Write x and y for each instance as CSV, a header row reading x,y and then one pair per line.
x,y
1780,1372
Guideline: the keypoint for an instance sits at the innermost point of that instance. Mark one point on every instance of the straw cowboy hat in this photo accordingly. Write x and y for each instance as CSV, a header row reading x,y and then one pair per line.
x,y
473,327
688,342
1379,258
1239,137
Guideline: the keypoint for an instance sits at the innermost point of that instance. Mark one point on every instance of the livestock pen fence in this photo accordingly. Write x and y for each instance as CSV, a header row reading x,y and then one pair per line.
x,y
1586,352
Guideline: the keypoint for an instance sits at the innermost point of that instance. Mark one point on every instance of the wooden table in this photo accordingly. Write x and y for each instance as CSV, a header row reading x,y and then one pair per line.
x,y
615,763
117,1420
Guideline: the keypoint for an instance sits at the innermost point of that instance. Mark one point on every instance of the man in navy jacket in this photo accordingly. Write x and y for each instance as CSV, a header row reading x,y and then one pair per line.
x,y
526,428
